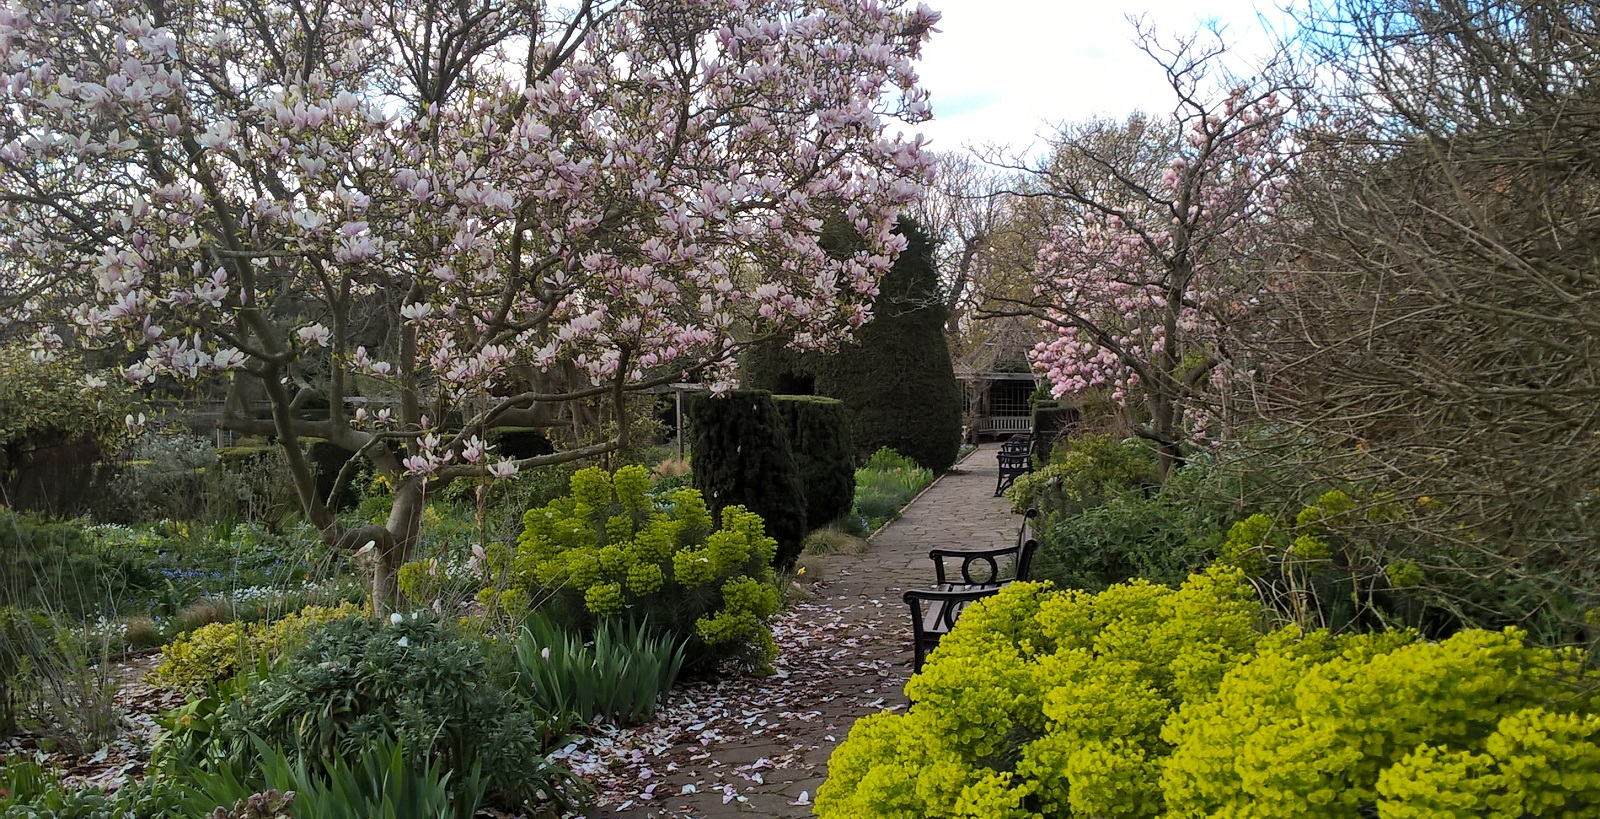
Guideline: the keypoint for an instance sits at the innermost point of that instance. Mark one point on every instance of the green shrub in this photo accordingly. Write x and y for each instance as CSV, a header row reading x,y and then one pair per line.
x,y
1045,702
57,419
885,484
52,565
742,457
1350,560
818,431
192,735
610,548
1344,726
1085,473
167,476
57,397
1099,524
355,684
1141,701
212,653
619,677
1160,539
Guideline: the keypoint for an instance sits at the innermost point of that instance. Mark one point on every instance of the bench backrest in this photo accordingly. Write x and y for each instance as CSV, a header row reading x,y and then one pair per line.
x,y
1016,446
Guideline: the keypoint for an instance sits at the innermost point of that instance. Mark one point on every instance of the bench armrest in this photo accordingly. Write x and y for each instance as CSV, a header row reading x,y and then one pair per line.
x,y
948,604
934,613
1025,531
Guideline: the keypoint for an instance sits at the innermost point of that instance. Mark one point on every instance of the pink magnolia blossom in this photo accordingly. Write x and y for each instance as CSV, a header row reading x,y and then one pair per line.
x,y
482,222
1138,287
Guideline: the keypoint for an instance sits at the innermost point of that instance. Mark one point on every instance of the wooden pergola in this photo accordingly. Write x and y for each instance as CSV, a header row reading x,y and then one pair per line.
x,y
995,372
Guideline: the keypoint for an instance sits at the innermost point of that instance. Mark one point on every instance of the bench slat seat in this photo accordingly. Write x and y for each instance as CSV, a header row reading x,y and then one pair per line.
x,y
934,612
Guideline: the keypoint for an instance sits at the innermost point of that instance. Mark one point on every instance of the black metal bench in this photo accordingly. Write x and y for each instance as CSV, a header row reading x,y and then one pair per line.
x,y
980,574
1015,460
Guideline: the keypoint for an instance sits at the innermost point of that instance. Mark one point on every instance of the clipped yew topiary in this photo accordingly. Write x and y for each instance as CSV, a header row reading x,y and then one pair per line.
x,y
819,437
895,379
742,457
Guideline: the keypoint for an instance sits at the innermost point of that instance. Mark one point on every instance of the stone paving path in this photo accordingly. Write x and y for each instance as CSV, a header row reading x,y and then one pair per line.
x,y
782,730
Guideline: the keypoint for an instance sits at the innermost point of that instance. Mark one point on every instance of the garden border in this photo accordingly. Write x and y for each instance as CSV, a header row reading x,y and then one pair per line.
x,y
919,495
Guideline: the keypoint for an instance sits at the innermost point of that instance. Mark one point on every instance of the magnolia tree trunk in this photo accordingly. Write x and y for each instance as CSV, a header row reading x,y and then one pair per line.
x,y
403,527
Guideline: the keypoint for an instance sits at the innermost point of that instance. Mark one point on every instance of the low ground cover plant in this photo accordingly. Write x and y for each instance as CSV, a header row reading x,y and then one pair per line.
x,y
354,685
1145,701
213,653
383,782
885,484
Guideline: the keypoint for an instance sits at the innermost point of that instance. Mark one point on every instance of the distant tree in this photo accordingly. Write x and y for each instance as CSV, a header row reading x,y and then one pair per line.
x,y
895,378
965,211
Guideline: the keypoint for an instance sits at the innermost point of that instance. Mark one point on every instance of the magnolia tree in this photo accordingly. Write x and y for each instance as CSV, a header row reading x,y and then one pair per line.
x,y
1152,257
464,211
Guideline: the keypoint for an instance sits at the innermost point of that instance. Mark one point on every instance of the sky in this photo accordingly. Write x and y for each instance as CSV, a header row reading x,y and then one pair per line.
x,y
1003,71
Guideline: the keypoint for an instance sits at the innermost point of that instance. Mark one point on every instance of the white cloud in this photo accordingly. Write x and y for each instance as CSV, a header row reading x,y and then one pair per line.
x,y
1005,71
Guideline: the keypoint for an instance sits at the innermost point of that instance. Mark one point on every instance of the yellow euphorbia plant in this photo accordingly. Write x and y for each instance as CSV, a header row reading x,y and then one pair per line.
x,y
610,549
1144,701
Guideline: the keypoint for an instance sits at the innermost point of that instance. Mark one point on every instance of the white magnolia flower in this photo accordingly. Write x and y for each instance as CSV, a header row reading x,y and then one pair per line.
x,y
314,334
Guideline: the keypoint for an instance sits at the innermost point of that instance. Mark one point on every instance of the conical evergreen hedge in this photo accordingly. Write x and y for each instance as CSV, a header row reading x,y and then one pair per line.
x,y
742,456
896,380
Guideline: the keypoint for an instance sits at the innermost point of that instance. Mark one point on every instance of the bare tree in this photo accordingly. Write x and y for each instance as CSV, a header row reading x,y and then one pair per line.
x,y
965,210
1439,328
